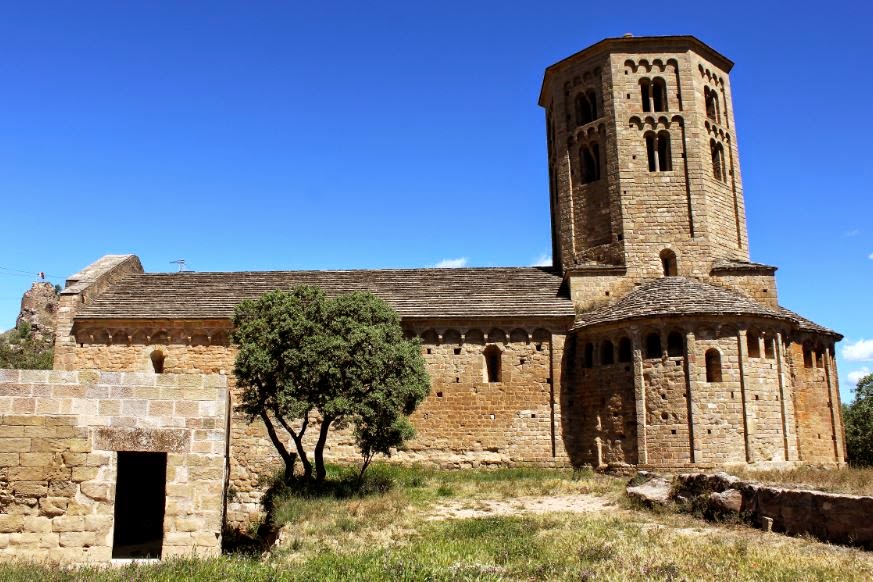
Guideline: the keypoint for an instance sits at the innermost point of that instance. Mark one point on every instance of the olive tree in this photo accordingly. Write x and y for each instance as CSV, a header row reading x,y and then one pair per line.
x,y
343,361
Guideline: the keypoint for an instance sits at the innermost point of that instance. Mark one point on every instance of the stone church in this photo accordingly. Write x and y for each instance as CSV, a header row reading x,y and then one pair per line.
x,y
652,341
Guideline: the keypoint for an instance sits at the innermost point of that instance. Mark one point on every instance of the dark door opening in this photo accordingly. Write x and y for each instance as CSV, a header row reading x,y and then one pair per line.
x,y
140,493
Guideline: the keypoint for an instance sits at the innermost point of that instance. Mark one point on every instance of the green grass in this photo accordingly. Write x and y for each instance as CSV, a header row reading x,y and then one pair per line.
x,y
383,530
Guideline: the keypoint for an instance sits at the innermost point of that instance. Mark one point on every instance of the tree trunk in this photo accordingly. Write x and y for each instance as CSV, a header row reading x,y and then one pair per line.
x,y
320,471
287,457
297,437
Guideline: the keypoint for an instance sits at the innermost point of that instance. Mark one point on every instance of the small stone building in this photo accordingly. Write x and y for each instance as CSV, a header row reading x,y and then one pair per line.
x,y
652,341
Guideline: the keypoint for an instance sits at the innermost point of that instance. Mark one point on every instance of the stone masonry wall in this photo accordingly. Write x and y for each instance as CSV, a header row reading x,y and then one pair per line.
x,y
60,433
466,421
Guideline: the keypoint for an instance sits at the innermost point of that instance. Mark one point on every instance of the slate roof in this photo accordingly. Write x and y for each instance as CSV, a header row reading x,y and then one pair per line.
x,y
680,296
420,293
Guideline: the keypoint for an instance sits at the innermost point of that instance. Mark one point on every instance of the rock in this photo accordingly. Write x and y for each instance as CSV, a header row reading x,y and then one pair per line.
x,y
729,501
39,310
654,490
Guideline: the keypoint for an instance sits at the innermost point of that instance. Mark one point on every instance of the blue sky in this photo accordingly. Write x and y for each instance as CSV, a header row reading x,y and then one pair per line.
x,y
287,135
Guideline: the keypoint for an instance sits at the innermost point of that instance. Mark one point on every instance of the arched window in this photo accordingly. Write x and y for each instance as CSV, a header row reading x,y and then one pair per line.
x,y
668,263
807,356
652,151
586,108
753,345
607,354
770,348
589,157
492,363
588,355
658,151
675,344
659,94
157,358
592,99
665,156
718,167
712,105
646,94
653,346
625,353
713,365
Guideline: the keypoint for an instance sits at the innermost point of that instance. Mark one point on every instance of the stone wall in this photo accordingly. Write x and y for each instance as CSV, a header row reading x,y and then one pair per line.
x,y
60,434
662,409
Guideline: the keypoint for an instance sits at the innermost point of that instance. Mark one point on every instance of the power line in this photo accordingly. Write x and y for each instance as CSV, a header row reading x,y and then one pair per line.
x,y
30,273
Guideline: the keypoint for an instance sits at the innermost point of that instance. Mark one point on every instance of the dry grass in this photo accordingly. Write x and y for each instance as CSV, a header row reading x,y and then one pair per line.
x,y
854,481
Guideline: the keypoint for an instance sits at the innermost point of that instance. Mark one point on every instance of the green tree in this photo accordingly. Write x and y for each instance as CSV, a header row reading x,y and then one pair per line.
x,y
858,420
24,353
344,360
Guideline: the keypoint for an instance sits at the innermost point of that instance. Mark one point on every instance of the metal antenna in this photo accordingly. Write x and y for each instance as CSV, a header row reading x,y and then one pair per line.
x,y
181,263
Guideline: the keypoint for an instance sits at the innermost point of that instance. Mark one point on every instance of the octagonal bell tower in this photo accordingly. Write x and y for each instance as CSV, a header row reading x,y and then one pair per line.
x,y
643,164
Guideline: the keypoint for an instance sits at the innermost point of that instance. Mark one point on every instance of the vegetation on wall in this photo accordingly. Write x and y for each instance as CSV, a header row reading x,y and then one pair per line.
x,y
342,361
858,420
20,349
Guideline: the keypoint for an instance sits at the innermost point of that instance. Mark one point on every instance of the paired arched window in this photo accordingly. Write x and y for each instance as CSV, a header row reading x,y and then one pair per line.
x,y
712,106
586,107
492,363
157,358
716,149
653,93
713,365
668,263
658,151
589,159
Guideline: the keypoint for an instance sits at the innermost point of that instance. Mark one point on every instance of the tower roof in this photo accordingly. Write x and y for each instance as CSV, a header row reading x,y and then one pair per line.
x,y
633,44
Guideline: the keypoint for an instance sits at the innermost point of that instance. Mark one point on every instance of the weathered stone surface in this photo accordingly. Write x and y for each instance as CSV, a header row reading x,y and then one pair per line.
x,y
729,501
143,439
654,489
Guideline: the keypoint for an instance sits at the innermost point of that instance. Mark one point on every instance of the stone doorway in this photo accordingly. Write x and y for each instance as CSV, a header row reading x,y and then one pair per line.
x,y
140,496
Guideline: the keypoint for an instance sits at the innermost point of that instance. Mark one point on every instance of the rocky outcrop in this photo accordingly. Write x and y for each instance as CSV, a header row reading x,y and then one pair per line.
x,y
39,310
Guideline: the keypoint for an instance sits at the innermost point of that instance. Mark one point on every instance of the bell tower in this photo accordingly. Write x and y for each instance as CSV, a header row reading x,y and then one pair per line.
x,y
643,163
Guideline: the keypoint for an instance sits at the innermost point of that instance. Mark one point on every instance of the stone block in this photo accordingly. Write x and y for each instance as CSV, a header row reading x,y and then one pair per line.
x,y
34,376
8,459
66,489
68,391
14,445
53,506
34,489
11,431
80,474
109,407
95,490
68,523
23,405
44,541
76,539
74,459
16,389
23,420
142,439
36,459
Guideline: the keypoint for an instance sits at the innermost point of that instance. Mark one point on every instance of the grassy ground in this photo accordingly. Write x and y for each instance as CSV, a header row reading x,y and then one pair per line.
x,y
387,529
856,481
